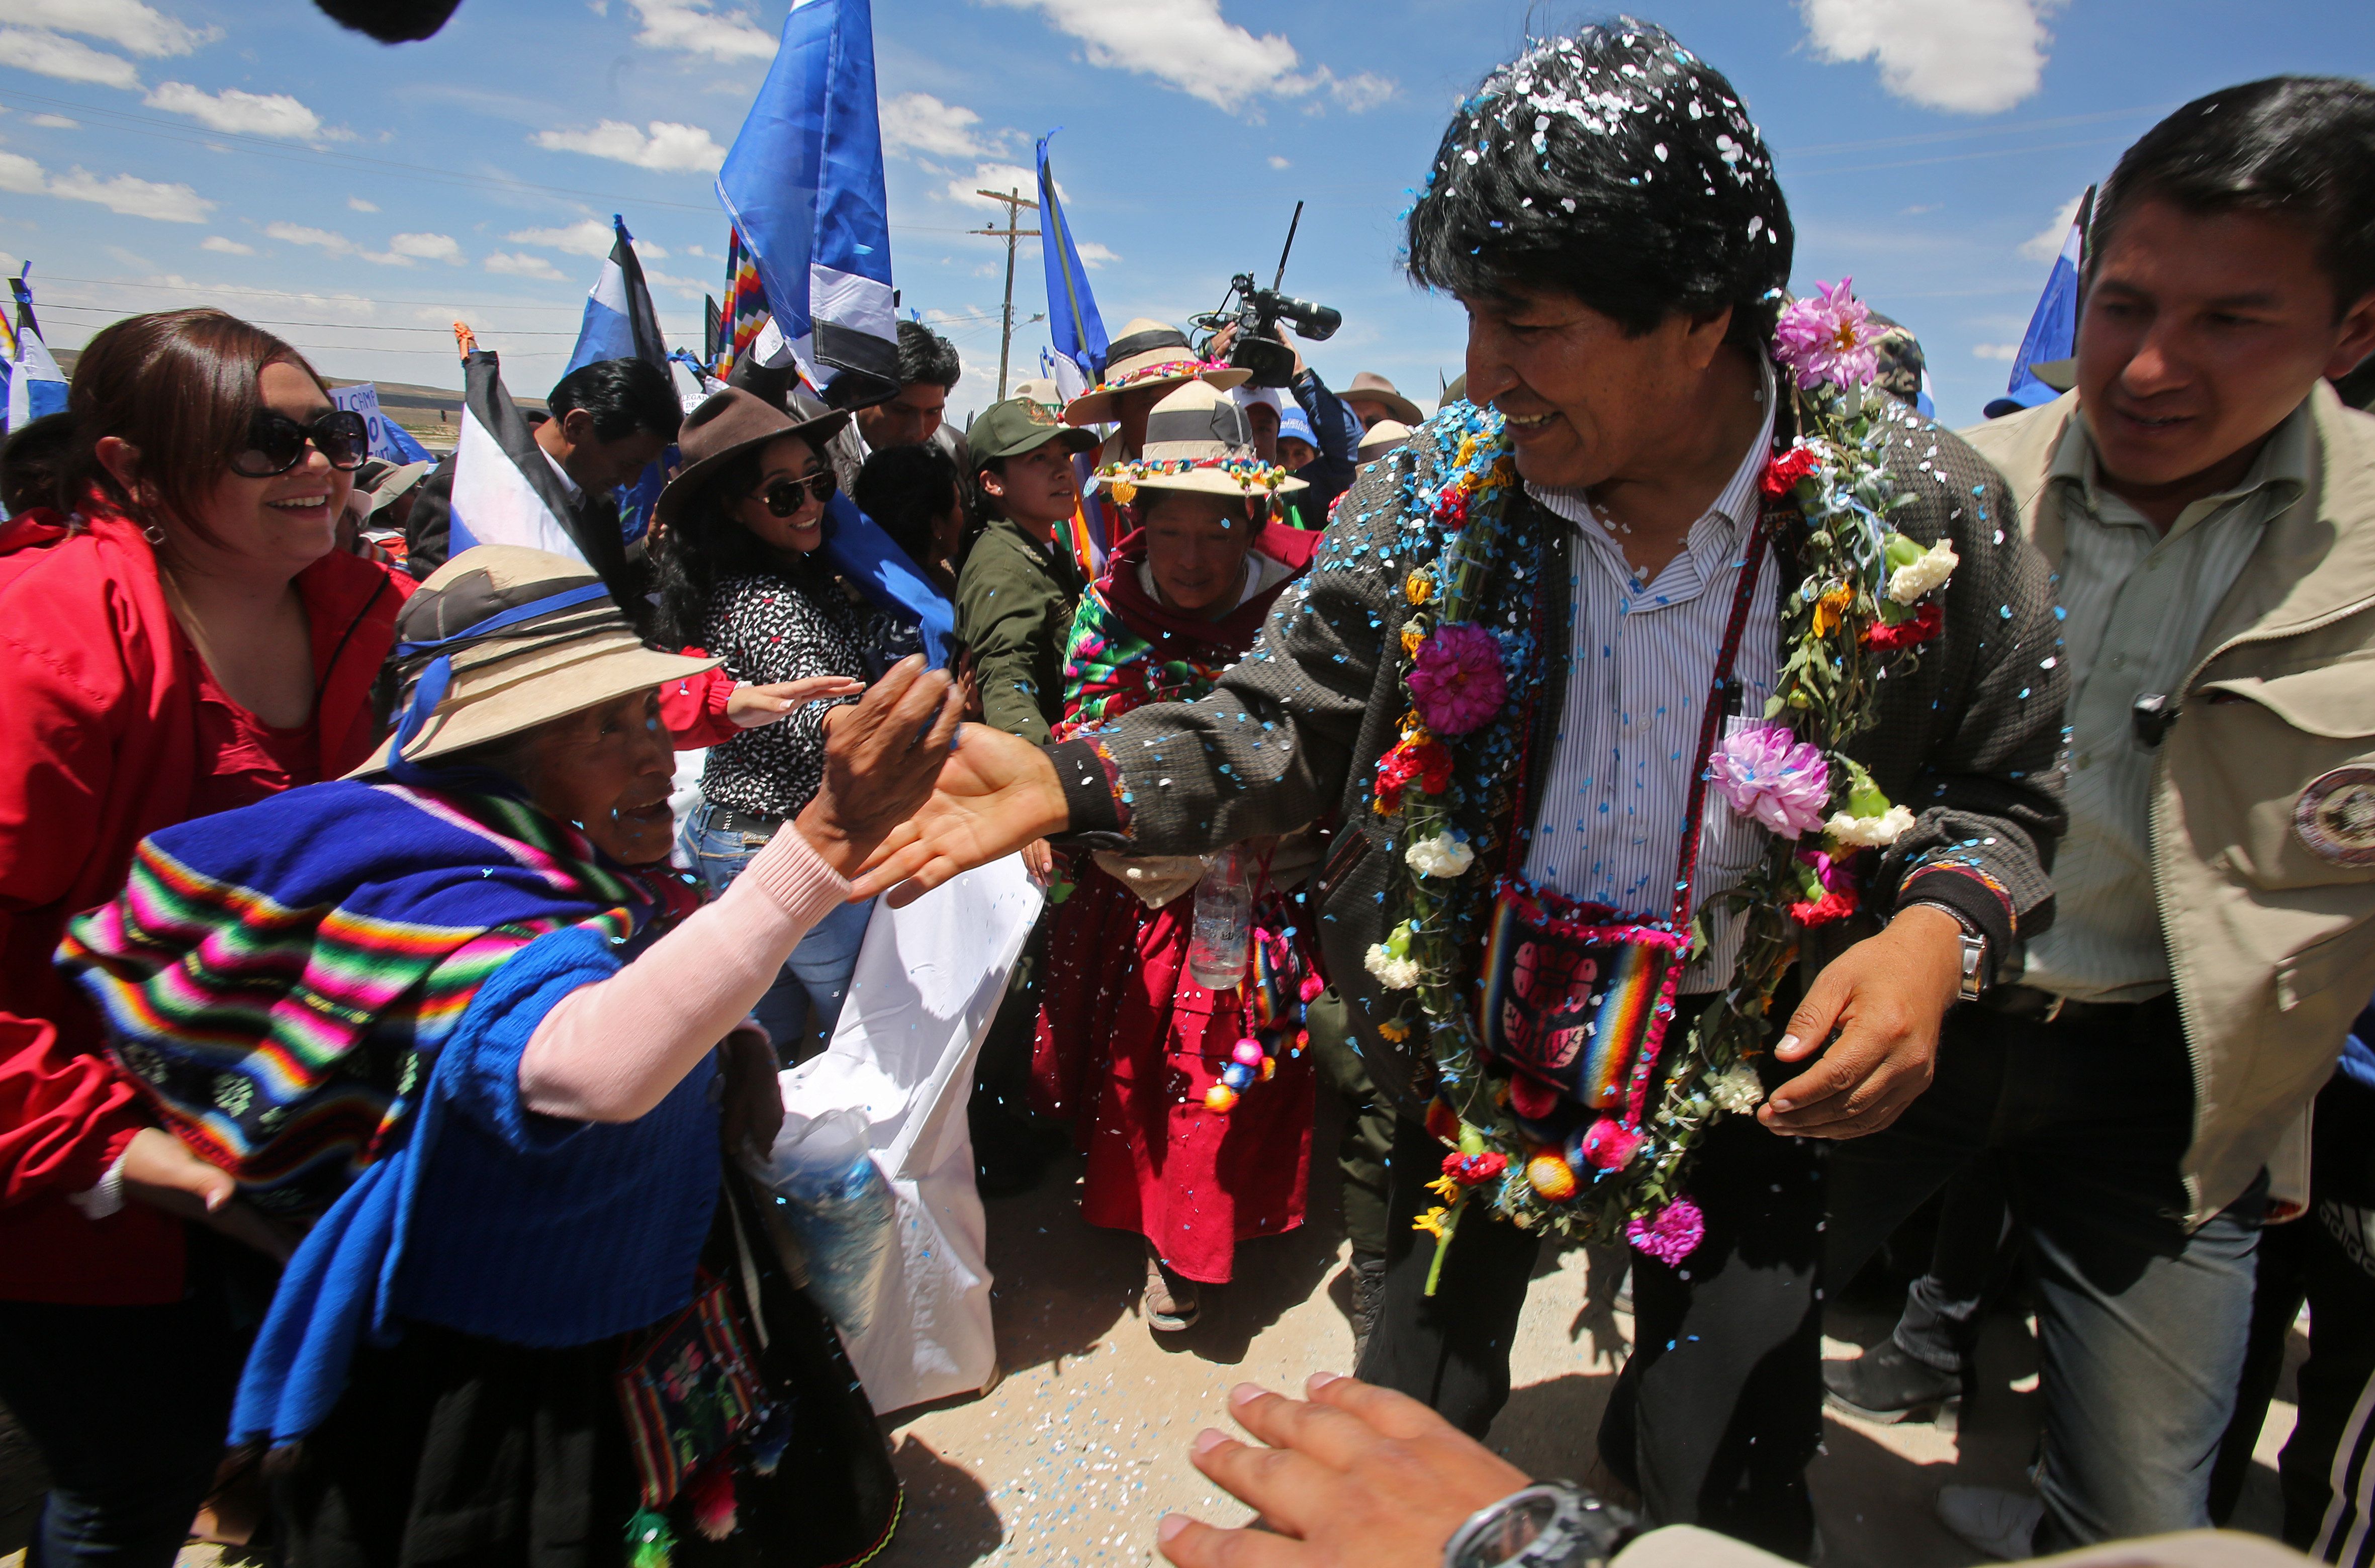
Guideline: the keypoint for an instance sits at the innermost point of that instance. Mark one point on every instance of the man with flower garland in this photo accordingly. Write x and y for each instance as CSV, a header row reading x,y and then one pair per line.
x,y
1676,671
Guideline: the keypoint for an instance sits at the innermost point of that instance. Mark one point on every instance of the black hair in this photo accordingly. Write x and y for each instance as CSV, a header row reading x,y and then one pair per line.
x,y
701,547
624,396
926,356
1615,166
34,460
2302,147
906,489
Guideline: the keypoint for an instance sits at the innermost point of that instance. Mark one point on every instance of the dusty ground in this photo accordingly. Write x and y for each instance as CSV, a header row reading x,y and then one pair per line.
x,y
1081,1448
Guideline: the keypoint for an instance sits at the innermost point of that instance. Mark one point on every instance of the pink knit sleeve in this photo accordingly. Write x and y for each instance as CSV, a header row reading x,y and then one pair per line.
x,y
610,1052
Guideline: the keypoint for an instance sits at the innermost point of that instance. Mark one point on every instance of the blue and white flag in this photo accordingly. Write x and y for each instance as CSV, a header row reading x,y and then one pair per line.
x,y
863,553
2053,327
803,184
506,492
36,385
620,322
1078,331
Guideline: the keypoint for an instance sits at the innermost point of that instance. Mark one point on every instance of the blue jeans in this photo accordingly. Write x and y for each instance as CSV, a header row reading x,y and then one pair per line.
x,y
2142,1325
816,977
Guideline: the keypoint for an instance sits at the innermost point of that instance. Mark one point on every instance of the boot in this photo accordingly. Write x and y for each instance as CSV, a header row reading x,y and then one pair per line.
x,y
1368,1298
1886,1385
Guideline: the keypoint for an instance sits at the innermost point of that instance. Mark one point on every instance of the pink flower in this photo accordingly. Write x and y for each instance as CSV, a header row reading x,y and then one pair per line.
x,y
1829,337
1456,680
1766,773
1671,1234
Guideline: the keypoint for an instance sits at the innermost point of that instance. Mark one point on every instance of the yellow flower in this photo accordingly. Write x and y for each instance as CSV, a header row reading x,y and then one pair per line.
x,y
1395,1029
1467,452
1123,492
1419,588
1444,1187
1411,640
1432,1223
1831,609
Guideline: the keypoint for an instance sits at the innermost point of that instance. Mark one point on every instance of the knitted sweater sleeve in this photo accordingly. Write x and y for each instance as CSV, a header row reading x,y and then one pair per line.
x,y
610,1052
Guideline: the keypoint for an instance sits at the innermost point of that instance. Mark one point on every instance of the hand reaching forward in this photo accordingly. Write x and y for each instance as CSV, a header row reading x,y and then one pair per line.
x,y
1885,996
752,706
997,793
159,1170
880,758
1360,1476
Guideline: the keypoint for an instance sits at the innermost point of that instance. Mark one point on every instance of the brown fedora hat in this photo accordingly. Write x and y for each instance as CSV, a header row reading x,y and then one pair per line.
x,y
1376,389
726,424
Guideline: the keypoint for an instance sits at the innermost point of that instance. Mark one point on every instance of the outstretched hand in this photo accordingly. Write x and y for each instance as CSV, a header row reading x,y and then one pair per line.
x,y
1359,1475
1886,998
880,758
997,793
159,1170
752,706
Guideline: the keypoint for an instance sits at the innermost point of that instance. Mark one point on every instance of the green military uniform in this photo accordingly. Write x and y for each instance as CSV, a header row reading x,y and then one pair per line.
x,y
1016,593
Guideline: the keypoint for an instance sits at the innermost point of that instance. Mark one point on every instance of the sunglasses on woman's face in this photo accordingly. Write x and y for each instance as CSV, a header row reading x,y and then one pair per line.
x,y
276,442
783,497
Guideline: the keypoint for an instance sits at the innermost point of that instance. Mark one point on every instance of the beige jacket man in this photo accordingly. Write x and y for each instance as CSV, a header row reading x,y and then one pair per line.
x,y
2263,828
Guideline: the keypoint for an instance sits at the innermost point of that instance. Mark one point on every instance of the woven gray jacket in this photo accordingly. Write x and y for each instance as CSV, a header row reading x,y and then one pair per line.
x,y
1966,739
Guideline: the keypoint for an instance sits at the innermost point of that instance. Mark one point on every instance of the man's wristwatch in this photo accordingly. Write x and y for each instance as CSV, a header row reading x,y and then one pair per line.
x,y
1552,1525
1973,963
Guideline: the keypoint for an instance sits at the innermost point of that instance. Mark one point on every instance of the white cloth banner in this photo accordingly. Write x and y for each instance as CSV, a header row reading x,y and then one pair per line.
x,y
362,398
928,982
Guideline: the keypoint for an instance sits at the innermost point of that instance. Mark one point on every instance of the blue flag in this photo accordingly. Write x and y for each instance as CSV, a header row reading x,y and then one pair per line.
x,y
803,184
506,492
873,561
1078,331
2053,327
35,386
620,324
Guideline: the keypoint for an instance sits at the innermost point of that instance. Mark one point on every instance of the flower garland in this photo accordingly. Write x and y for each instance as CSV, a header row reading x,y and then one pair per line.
x,y
1864,605
1252,475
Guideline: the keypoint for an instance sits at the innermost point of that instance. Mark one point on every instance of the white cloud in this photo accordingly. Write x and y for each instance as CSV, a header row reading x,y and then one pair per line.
x,y
1278,162
667,146
1184,42
1359,93
1094,254
233,111
697,251
228,247
689,287
358,204
521,264
694,27
589,238
339,245
55,122
133,197
2046,243
2005,351
21,174
916,122
966,188
428,247
69,60
127,24
1973,56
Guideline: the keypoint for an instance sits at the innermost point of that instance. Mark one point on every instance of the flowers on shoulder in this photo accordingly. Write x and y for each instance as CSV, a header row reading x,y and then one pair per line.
x,y
1829,337
1456,680
1785,469
1923,626
1914,570
1444,853
1418,757
1766,773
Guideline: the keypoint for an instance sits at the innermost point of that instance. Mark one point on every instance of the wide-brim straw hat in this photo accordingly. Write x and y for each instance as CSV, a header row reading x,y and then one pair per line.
x,y
726,424
1197,439
392,486
576,654
1378,389
1148,353
1383,437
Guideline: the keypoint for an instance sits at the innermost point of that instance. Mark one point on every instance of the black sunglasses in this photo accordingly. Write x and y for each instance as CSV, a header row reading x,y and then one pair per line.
x,y
783,497
276,442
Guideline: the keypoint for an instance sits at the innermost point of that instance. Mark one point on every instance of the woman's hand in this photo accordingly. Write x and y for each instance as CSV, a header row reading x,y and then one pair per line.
x,y
752,706
880,759
996,794
1359,1475
159,1170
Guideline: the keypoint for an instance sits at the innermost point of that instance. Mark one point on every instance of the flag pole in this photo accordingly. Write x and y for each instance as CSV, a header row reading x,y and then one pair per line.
x,y
1011,234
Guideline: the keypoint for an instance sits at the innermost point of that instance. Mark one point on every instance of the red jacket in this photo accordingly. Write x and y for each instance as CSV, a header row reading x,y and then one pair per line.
x,y
99,698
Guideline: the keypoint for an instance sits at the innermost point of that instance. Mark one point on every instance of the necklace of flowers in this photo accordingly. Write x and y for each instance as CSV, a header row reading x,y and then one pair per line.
x,y
1866,600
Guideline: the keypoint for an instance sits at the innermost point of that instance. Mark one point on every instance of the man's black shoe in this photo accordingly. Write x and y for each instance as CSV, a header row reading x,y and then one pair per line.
x,y
1886,1385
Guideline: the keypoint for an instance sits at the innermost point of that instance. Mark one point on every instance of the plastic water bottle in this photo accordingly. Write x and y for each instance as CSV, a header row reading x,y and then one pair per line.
x,y
1225,908
824,1180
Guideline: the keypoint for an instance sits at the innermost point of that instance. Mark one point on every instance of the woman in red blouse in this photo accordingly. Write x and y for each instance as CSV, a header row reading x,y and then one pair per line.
x,y
177,636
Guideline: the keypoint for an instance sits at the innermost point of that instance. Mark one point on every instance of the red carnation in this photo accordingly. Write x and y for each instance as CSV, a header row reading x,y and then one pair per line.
x,y
1782,473
1425,761
1922,627
1474,1169
1829,907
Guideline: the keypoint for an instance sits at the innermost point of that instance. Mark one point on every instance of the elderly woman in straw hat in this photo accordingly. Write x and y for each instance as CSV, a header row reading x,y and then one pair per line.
x,y
1144,365
1194,1105
427,1015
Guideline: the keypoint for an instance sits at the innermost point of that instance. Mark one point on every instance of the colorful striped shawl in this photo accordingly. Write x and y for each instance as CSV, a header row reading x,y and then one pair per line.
x,y
278,978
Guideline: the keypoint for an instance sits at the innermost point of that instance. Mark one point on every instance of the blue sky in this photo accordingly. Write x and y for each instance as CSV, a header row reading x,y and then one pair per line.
x,y
250,154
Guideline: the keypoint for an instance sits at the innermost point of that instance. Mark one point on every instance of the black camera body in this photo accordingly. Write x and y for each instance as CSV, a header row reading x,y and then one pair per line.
x,y
1256,312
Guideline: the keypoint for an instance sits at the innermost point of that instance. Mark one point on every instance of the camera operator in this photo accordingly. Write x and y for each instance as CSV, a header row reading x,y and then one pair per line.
x,y
1338,430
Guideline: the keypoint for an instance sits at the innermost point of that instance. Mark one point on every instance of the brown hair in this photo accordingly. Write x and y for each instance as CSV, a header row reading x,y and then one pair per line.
x,y
180,387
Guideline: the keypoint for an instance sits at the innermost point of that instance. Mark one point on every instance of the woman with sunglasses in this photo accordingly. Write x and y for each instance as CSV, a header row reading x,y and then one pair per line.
x,y
740,572
177,636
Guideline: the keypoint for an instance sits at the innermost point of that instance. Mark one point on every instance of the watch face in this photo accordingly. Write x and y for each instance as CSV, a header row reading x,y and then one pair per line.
x,y
1508,1533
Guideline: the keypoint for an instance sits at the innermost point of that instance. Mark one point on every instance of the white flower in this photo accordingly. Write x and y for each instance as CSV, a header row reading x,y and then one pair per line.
x,y
1908,582
1869,832
1738,1091
1393,973
1440,856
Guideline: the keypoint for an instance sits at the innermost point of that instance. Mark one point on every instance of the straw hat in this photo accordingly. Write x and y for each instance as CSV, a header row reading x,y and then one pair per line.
x,y
575,653
726,424
1374,388
1383,437
391,484
1147,354
1197,439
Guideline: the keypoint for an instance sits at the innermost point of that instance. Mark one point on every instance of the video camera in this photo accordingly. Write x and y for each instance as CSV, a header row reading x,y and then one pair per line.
x,y
1256,312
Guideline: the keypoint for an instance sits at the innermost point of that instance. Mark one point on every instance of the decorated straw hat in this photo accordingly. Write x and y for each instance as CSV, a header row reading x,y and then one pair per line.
x,y
726,424
499,640
1147,354
1197,439
1374,388
1383,437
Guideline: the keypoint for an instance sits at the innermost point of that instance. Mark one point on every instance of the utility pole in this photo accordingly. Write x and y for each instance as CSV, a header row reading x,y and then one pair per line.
x,y
1015,206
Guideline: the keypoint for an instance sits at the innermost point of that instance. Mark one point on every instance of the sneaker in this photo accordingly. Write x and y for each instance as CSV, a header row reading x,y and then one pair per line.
x,y
1170,1302
1886,1385
2002,1524
1368,1298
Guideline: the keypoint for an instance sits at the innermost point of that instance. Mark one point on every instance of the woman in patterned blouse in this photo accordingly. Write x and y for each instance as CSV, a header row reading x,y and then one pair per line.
x,y
739,577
